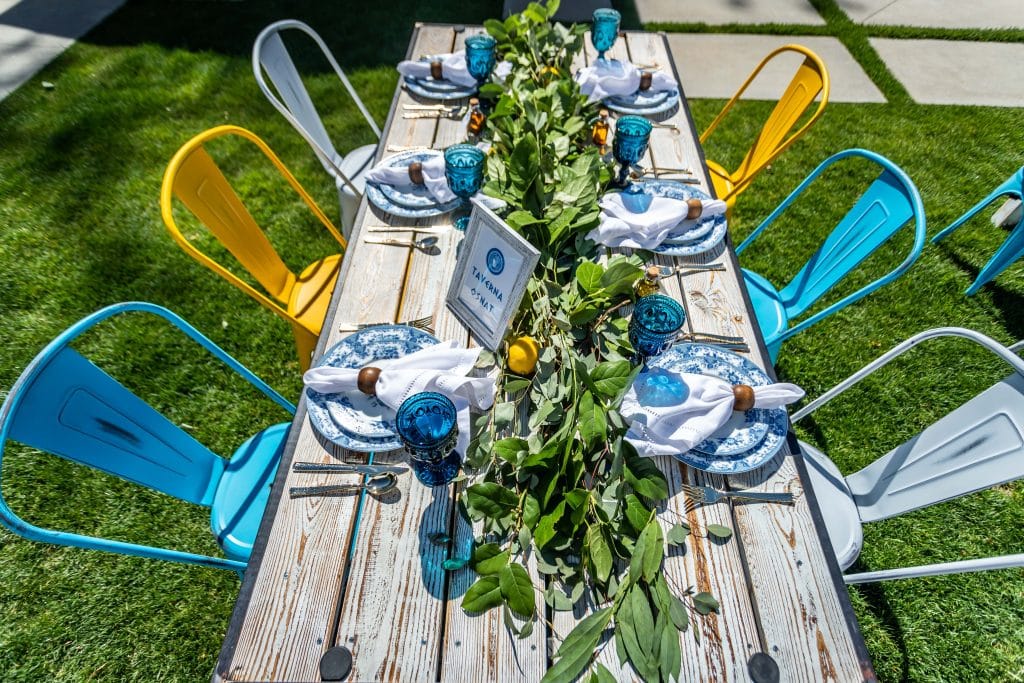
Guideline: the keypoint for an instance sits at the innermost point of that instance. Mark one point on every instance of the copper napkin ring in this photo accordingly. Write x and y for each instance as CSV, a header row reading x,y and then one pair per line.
x,y
645,80
743,395
694,208
435,70
366,381
416,172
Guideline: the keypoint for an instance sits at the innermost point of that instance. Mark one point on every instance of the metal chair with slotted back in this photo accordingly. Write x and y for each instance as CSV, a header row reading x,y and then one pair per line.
x,y
1012,248
810,80
292,100
886,205
977,446
299,298
65,405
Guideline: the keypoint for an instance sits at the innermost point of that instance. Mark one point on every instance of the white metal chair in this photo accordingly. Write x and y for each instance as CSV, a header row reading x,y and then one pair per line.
x,y
292,100
978,445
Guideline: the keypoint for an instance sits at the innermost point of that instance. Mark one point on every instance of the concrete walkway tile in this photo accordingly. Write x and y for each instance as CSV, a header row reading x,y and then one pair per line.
x,y
933,14
956,72
729,11
715,66
34,32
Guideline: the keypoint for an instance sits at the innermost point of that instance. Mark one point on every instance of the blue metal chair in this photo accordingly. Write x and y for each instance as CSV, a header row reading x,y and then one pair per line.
x,y
65,405
887,204
976,446
1012,249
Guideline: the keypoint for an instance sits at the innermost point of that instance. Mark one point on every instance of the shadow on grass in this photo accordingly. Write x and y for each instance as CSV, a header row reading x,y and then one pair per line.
x,y
360,34
875,600
1006,301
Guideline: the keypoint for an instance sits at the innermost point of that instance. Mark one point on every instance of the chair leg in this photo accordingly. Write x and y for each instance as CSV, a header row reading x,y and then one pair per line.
x,y
973,211
305,344
1010,250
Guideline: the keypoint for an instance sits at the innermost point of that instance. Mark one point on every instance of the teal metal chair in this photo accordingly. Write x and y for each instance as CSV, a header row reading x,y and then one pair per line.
x,y
885,206
1012,249
65,405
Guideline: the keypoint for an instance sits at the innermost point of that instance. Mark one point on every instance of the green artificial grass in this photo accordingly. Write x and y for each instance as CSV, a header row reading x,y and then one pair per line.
x,y
80,172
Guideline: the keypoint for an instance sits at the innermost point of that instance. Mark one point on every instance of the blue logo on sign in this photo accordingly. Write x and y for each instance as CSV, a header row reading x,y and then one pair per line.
x,y
495,261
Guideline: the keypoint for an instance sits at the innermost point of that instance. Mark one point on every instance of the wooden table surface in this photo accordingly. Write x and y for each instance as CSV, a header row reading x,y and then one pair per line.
x,y
365,575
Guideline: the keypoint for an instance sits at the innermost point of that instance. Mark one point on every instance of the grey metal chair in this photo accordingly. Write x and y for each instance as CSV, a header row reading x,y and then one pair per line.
x,y
269,54
978,445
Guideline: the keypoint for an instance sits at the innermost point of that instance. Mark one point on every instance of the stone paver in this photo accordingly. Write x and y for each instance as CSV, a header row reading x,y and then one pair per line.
x,y
933,14
34,32
729,11
957,72
715,66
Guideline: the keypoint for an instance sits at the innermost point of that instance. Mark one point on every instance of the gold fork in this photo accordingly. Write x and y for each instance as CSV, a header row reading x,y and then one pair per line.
x,y
425,323
706,494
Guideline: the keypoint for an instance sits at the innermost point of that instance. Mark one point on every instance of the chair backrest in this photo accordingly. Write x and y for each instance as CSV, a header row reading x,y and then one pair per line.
x,y
884,208
65,405
292,100
978,445
195,179
810,80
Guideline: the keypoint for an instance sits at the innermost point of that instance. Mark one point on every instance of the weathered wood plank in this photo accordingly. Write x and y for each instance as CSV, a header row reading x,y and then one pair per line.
x,y
806,633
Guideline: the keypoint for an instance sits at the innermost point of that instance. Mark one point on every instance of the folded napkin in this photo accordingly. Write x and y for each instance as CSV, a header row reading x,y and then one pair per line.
x,y
673,412
453,68
398,176
441,368
606,78
621,227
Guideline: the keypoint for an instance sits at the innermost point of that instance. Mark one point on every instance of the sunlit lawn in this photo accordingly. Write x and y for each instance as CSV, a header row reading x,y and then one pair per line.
x,y
80,170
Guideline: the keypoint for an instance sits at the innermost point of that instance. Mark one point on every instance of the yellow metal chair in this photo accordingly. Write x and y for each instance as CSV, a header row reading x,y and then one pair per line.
x,y
301,299
811,78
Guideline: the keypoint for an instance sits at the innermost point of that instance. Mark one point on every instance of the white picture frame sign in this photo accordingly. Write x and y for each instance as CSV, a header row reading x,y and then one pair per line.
x,y
491,271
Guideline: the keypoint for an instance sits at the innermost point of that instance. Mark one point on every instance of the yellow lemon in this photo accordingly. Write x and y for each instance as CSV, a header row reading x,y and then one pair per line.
x,y
522,355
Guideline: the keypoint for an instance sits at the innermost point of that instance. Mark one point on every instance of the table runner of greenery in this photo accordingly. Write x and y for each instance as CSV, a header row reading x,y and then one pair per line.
x,y
574,491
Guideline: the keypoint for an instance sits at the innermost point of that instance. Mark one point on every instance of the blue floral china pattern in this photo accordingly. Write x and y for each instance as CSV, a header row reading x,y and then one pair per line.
x,y
411,196
641,99
411,202
681,191
620,103
437,90
353,419
710,360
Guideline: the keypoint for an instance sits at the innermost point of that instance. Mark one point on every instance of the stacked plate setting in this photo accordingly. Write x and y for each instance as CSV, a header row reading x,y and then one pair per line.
x,y
408,201
644,103
694,238
352,419
749,439
437,89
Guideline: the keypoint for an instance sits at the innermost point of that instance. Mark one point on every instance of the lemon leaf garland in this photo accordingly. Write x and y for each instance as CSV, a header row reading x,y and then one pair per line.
x,y
569,491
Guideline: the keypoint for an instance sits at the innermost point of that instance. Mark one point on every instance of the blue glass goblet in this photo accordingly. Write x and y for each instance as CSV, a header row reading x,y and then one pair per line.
x,y
604,30
464,169
480,57
630,143
655,325
427,424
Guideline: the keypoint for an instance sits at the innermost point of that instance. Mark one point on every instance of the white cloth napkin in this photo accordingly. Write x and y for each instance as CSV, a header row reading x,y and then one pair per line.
x,y
398,176
441,368
666,430
453,68
620,227
609,77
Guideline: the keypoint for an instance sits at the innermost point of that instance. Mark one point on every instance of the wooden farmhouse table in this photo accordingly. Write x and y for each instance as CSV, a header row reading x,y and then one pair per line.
x,y
363,574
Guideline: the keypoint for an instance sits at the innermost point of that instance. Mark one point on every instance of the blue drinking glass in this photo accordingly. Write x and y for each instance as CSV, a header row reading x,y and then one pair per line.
x,y
464,169
604,30
480,57
427,424
629,145
654,326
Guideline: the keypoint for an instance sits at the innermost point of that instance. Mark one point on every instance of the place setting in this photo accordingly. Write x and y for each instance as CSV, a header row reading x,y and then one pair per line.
x,y
699,402
389,387
664,216
456,75
622,86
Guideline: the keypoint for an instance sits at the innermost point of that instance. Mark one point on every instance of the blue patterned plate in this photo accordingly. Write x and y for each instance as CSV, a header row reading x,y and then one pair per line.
x,y
641,99
410,196
670,102
709,360
691,243
353,419
428,88
676,190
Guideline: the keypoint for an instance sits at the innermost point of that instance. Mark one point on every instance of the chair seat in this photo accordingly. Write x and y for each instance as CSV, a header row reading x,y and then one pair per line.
x,y
244,489
355,164
768,308
837,505
311,293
